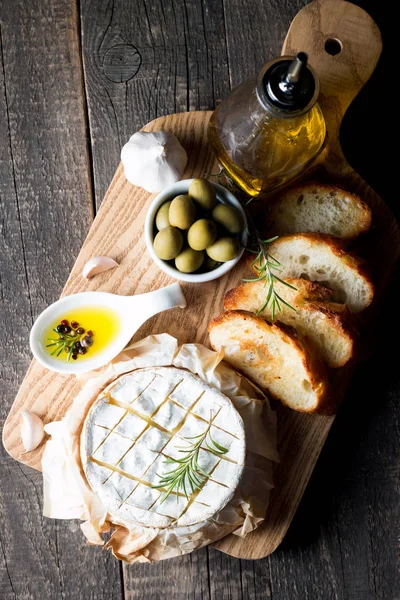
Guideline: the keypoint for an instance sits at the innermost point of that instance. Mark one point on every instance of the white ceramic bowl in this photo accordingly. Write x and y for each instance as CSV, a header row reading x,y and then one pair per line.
x,y
182,187
132,311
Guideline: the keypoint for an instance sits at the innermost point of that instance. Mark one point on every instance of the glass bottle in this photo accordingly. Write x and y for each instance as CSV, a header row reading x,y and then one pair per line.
x,y
270,129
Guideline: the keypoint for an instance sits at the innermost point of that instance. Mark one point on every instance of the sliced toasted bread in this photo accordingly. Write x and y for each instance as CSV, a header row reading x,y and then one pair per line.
x,y
275,358
319,257
306,289
321,208
324,323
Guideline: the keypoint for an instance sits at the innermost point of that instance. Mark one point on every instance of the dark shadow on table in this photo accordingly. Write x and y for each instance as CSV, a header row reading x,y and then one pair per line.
x,y
335,475
369,132
368,137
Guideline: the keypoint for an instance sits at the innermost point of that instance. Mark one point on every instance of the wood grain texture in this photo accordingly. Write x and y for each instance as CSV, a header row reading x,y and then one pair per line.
x,y
177,579
183,67
340,80
117,232
44,184
332,549
342,75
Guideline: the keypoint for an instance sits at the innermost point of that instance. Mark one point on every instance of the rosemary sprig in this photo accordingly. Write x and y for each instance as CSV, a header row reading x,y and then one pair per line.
x,y
63,341
188,472
266,265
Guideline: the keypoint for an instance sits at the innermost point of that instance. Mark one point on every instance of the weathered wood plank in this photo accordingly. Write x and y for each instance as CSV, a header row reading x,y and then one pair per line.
x,y
350,514
255,32
340,558
165,82
168,56
367,497
356,470
184,578
233,579
46,209
183,66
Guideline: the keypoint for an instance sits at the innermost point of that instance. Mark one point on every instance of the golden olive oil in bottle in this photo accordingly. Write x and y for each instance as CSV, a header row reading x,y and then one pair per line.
x,y
270,129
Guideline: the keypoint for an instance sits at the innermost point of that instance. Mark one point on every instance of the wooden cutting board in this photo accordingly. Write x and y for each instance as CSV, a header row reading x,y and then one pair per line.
x,y
321,28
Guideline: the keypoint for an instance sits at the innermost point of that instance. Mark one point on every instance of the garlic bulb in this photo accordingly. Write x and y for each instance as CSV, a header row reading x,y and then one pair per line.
x,y
98,264
153,160
32,431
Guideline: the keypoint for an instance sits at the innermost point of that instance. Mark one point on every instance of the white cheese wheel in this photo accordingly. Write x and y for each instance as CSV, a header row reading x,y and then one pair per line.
x,y
145,418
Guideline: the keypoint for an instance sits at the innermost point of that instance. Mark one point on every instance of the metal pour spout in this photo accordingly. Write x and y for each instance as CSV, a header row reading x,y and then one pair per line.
x,y
296,68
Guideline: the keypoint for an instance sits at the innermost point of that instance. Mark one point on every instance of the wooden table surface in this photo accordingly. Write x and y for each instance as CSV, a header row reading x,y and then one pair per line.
x,y
77,78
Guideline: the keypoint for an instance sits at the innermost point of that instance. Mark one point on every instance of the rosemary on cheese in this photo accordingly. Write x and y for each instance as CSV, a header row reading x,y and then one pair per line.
x,y
188,476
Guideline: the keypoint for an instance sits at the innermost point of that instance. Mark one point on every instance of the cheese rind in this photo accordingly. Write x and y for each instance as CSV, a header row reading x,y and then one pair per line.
x,y
98,436
158,409
112,450
130,426
97,475
107,415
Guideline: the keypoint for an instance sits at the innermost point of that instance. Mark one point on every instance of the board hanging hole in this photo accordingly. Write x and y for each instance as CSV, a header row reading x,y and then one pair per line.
x,y
333,46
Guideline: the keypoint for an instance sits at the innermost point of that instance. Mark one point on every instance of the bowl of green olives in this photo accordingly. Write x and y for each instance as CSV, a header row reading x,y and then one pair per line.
x,y
195,230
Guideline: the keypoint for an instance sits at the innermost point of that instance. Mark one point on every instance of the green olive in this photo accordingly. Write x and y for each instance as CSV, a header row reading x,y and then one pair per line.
x,y
203,193
224,249
189,260
202,234
182,212
168,243
229,217
210,264
162,220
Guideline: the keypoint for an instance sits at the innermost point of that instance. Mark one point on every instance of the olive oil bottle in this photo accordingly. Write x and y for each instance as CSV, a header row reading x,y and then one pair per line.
x,y
270,129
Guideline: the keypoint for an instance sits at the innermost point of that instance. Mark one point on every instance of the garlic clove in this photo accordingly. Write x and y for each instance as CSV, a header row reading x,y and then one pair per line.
x,y
32,432
98,264
153,160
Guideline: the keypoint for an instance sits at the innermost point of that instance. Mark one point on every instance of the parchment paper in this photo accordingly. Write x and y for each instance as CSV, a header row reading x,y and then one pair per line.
x,y
67,494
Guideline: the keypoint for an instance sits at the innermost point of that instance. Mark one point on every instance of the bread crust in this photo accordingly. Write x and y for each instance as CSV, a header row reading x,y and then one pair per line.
x,y
333,317
312,363
356,205
329,244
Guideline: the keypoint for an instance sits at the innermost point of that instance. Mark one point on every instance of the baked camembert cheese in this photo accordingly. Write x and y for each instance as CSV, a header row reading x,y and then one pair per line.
x,y
145,418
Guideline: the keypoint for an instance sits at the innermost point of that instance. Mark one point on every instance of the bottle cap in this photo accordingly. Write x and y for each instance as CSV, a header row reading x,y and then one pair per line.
x,y
288,84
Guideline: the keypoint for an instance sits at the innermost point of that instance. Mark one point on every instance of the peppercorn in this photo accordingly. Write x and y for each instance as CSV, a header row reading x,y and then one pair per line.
x,y
87,342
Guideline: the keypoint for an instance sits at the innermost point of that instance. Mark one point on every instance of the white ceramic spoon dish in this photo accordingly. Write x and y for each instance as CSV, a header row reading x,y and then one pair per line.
x,y
133,311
